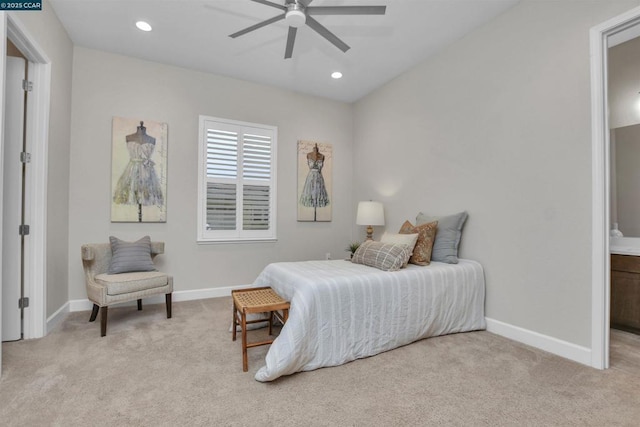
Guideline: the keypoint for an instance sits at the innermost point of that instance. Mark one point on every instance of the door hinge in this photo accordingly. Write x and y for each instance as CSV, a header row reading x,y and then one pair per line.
x,y
25,157
27,86
23,302
23,230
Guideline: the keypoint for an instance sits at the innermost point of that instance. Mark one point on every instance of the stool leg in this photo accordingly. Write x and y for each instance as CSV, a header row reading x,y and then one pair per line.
x,y
235,322
270,323
245,362
139,304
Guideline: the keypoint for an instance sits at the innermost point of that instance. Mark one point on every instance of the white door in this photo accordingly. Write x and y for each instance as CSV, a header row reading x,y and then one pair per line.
x,y
12,199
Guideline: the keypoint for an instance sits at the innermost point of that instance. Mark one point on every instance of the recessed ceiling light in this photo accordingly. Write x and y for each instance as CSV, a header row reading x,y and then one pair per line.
x,y
144,26
336,75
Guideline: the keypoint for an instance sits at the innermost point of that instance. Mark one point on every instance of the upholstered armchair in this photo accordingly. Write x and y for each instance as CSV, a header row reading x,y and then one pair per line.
x,y
105,289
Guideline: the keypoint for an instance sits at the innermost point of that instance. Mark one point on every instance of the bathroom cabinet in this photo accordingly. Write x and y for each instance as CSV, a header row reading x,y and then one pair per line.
x,y
625,292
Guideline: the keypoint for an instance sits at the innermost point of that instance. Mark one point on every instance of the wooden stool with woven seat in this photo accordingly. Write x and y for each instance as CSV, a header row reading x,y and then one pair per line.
x,y
256,300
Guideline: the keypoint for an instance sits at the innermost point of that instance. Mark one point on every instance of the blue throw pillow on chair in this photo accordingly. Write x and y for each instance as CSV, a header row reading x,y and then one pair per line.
x,y
128,257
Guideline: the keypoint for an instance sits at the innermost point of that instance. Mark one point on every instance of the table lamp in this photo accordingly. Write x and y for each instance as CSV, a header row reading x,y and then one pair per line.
x,y
370,214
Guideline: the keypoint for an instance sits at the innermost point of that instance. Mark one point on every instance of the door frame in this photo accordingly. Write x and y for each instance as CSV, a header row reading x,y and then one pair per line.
x,y
37,134
601,147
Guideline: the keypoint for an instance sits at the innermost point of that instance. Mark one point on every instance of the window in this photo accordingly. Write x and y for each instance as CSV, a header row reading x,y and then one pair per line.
x,y
237,181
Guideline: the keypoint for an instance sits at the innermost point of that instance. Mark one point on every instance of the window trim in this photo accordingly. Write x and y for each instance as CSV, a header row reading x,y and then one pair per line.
x,y
205,236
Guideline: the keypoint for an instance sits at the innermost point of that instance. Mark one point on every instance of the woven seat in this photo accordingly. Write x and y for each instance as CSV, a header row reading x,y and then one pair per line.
x,y
256,300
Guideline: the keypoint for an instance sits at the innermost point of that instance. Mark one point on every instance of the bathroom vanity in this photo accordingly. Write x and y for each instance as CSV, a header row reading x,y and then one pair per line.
x,y
625,288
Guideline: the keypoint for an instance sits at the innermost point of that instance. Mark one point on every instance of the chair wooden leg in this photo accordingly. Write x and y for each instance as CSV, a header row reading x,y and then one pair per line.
x,y
271,323
103,321
94,313
235,322
139,304
245,361
167,298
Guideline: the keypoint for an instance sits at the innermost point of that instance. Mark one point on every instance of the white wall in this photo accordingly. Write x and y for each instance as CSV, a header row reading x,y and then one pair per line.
x,y
107,85
51,36
499,124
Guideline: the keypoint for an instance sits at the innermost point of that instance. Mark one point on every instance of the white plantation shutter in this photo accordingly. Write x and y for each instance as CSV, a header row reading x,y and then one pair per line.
x,y
221,206
222,154
237,181
256,159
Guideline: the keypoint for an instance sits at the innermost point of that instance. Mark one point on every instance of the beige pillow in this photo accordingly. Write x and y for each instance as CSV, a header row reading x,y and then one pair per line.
x,y
385,256
401,239
424,245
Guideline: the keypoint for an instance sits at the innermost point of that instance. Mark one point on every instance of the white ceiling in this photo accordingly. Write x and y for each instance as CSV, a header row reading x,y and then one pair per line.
x,y
194,34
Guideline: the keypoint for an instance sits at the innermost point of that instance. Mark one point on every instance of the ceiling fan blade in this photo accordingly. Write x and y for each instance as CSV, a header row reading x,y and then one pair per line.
x,y
305,3
268,3
258,25
320,29
291,39
346,10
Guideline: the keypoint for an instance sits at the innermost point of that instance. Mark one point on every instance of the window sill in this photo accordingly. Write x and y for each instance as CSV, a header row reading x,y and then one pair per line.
x,y
234,241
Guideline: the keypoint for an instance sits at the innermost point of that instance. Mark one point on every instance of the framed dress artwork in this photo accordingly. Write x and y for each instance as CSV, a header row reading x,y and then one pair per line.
x,y
315,185
138,171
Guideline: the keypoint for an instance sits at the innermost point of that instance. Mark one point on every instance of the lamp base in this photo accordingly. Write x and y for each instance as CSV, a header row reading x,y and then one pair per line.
x,y
369,232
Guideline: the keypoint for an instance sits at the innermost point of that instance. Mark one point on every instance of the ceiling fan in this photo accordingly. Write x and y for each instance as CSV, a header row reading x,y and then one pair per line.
x,y
298,12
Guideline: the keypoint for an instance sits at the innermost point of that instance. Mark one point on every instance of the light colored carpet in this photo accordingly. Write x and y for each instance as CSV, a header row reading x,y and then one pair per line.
x,y
150,371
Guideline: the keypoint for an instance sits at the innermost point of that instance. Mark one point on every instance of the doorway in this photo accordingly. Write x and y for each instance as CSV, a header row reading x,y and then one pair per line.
x,y
601,36
14,191
37,133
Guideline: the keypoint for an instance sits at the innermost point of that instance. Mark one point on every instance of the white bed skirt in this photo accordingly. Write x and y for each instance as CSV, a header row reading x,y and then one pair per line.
x,y
342,311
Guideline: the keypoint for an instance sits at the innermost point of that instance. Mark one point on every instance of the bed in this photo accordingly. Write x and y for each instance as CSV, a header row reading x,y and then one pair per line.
x,y
341,311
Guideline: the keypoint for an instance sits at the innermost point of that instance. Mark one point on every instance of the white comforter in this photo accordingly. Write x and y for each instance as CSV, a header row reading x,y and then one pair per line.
x,y
342,311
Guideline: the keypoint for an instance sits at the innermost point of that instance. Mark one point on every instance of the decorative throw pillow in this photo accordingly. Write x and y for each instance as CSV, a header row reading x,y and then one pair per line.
x,y
385,256
403,239
424,245
127,257
445,247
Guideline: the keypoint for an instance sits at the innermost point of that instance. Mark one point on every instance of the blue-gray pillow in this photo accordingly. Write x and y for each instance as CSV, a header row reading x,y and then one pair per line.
x,y
127,257
445,247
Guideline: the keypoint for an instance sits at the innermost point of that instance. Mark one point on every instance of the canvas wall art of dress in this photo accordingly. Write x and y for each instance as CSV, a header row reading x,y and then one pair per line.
x,y
139,171
315,167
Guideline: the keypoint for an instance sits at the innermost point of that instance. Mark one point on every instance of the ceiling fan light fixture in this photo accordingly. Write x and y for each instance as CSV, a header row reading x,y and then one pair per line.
x,y
298,13
295,18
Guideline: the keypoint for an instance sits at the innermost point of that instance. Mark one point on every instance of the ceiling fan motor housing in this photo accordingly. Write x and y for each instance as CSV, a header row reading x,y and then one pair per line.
x,y
295,16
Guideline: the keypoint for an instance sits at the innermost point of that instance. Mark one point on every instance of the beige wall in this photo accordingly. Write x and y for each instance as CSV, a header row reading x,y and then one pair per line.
x,y
49,34
107,85
499,124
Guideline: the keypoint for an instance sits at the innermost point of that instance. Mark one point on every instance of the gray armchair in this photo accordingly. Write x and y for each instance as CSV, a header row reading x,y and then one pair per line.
x,y
106,289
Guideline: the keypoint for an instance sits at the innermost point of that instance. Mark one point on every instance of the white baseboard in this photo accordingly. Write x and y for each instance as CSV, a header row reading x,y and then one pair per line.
x,y
543,342
56,318
85,304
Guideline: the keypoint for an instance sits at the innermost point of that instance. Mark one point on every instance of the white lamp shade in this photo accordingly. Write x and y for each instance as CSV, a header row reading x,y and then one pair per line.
x,y
370,213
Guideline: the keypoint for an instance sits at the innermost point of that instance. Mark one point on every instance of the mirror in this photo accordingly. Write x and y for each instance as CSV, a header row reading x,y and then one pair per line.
x,y
624,122
625,159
